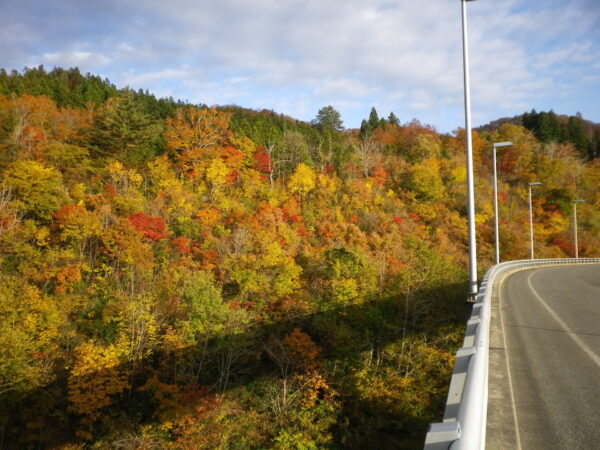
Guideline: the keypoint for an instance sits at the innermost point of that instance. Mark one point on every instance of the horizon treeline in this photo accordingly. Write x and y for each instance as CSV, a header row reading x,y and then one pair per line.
x,y
68,87
550,127
178,276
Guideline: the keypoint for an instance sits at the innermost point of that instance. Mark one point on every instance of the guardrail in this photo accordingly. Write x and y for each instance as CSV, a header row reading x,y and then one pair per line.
x,y
466,408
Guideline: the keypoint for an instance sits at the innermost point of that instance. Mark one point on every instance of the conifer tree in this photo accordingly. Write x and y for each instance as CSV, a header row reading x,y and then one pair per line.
x,y
123,131
576,134
393,120
328,118
373,118
365,130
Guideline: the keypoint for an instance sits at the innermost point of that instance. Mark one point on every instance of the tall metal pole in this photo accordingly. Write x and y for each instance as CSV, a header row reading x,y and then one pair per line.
x,y
575,229
530,225
496,145
496,210
535,183
575,226
469,148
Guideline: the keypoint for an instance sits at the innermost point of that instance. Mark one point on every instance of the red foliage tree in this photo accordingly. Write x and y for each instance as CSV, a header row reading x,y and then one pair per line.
x,y
379,175
152,228
262,161
66,212
109,191
182,244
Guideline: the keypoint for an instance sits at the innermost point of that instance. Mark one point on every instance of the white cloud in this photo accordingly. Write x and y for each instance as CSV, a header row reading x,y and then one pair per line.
x,y
341,88
134,78
300,55
75,58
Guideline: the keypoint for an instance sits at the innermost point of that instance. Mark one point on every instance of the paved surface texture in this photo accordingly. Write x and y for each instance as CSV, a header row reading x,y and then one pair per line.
x,y
544,385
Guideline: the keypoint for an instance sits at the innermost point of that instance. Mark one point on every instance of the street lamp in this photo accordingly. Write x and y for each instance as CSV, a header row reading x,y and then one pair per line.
x,y
469,148
575,225
535,183
497,145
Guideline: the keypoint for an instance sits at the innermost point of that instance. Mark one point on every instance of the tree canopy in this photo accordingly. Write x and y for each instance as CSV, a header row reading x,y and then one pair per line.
x,y
328,118
178,276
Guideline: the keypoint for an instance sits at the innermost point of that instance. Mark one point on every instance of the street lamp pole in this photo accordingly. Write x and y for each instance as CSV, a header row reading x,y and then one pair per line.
x,y
497,145
575,226
535,183
469,149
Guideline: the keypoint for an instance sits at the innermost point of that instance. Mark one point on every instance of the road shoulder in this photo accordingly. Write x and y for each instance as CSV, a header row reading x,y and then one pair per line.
x,y
502,429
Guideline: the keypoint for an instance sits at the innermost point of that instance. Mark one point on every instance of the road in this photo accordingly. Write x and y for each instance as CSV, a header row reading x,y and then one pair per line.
x,y
544,381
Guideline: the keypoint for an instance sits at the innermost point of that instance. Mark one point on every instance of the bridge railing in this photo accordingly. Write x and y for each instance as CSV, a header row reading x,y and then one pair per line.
x,y
466,407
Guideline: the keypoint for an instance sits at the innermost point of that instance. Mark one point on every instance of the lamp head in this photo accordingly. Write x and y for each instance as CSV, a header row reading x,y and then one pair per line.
x,y
578,201
535,183
502,144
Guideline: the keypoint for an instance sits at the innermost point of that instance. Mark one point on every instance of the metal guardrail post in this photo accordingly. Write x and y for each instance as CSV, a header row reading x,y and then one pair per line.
x,y
441,434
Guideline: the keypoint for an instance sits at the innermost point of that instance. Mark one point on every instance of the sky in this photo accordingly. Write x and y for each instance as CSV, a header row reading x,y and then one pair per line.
x,y
295,57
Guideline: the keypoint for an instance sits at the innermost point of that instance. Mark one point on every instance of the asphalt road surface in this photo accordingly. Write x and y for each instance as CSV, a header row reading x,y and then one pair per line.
x,y
544,385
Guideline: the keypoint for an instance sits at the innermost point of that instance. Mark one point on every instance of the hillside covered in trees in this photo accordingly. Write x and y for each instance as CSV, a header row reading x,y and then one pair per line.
x,y
178,276
551,127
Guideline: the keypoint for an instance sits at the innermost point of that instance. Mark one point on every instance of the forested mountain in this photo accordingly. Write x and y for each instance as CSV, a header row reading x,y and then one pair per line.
x,y
550,127
69,88
178,276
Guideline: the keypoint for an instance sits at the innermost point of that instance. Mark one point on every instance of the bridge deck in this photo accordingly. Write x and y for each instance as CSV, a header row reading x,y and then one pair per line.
x,y
544,382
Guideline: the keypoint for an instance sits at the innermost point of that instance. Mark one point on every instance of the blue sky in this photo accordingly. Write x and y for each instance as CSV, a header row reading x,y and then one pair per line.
x,y
296,56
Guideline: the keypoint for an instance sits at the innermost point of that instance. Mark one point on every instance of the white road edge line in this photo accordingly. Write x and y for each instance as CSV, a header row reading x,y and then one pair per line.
x,y
510,382
593,356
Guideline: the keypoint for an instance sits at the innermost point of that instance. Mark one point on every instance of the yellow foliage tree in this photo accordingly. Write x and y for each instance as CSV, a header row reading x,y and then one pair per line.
x,y
197,128
38,189
121,178
95,378
424,180
216,174
196,135
138,327
302,180
125,246
30,325
162,176
302,349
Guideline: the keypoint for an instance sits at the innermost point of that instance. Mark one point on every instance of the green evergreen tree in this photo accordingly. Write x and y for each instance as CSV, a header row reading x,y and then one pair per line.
x,y
544,130
595,144
328,118
530,120
373,118
124,131
576,134
393,120
365,130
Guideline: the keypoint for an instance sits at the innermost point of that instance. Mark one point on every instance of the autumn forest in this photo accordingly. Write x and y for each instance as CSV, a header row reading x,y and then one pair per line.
x,y
183,276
